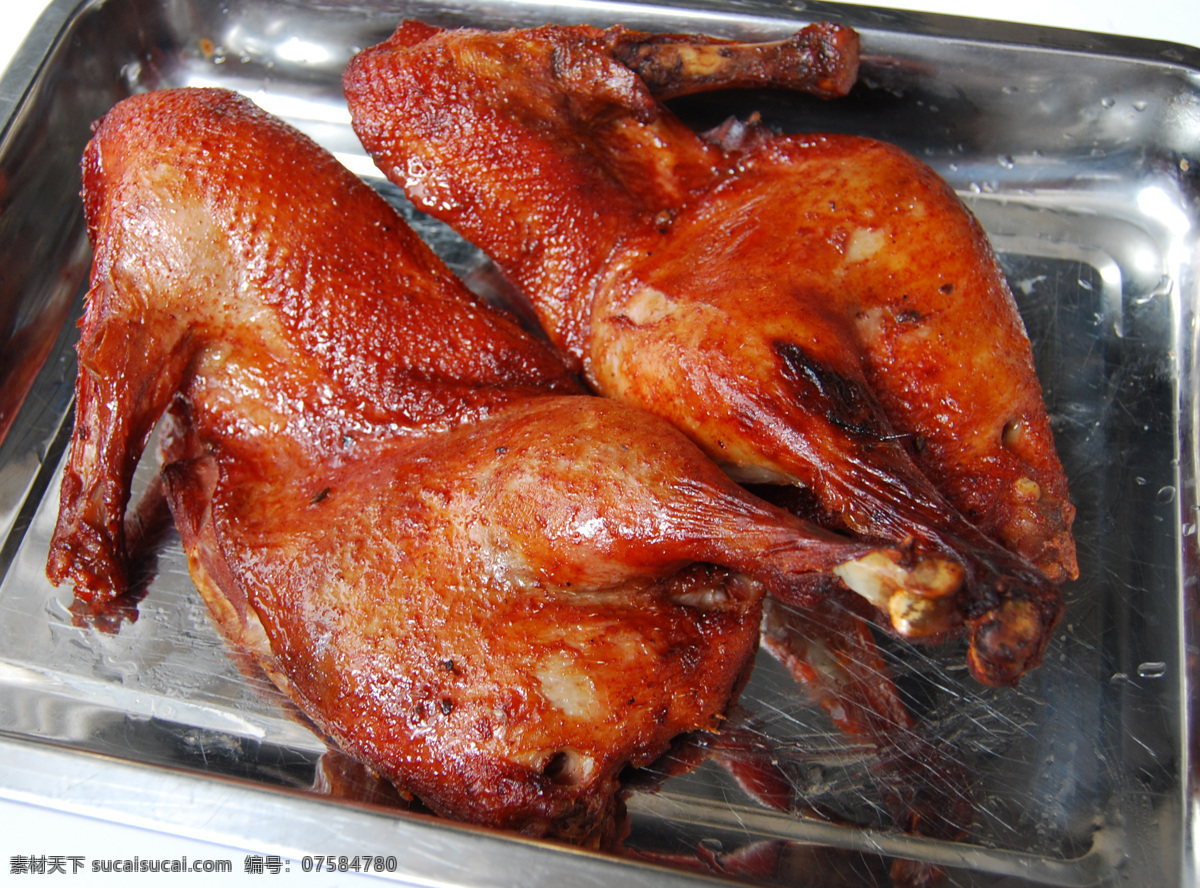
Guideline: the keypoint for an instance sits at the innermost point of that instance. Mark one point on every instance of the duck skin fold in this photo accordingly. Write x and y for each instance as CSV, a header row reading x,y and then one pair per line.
x,y
491,588
813,310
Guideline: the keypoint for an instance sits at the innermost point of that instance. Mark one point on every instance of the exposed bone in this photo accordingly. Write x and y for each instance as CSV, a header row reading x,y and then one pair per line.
x,y
821,59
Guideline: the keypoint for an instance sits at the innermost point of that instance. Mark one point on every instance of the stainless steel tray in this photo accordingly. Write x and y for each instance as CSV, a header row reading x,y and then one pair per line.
x,y
1081,156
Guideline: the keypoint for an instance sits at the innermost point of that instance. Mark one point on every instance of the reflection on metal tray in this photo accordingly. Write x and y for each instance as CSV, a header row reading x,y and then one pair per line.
x,y
1081,157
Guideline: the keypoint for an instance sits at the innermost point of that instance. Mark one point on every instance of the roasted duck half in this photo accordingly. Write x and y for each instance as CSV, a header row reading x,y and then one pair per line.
x,y
494,590
813,310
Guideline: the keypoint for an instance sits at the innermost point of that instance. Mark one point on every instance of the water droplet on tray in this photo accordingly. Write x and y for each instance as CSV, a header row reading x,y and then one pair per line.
x,y
1165,494
1153,669
1107,102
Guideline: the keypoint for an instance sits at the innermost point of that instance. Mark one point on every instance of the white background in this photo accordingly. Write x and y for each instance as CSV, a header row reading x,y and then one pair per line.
x,y
27,830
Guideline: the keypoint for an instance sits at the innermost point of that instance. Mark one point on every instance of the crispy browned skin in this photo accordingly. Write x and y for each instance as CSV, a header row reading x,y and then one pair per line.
x,y
443,646
492,589
205,274
815,310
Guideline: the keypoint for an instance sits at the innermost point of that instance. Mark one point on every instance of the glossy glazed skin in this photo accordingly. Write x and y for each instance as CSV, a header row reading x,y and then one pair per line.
x,y
205,281
812,310
495,591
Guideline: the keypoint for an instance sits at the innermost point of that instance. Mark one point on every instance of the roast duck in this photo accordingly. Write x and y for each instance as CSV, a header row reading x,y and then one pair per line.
x,y
493,586
814,310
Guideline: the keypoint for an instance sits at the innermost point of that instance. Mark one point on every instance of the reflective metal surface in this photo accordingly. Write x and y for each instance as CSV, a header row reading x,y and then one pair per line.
x,y
1081,156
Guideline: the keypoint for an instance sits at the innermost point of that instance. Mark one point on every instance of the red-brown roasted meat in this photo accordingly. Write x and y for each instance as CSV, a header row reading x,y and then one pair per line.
x,y
814,310
494,590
